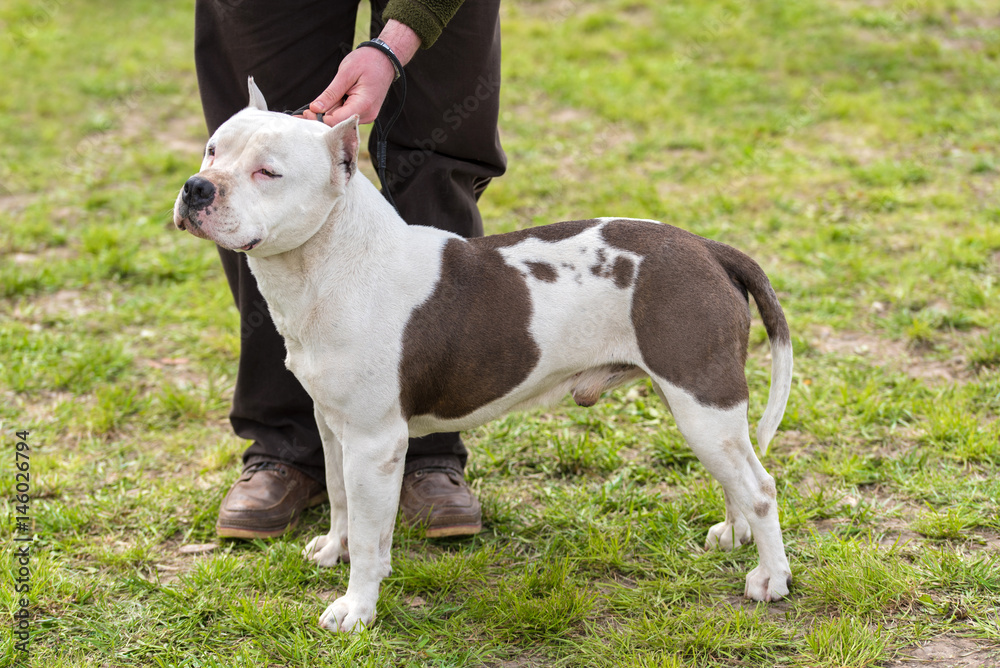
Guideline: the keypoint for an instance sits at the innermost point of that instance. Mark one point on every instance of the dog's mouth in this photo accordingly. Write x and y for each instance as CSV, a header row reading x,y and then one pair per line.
x,y
185,218
250,246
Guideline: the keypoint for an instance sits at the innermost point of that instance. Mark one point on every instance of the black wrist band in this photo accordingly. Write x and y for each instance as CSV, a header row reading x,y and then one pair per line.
x,y
387,50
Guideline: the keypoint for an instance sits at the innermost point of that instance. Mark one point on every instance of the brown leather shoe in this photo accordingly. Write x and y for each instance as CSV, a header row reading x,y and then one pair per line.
x,y
439,499
267,500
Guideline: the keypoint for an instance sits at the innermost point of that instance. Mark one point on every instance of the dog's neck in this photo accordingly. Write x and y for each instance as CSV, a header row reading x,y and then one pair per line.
x,y
355,246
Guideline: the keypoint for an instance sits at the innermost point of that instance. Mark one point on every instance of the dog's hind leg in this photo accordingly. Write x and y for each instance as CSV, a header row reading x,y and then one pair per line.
x,y
333,547
731,533
720,438
735,530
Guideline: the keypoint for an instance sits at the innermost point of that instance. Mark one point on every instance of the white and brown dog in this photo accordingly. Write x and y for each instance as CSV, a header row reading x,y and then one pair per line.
x,y
398,330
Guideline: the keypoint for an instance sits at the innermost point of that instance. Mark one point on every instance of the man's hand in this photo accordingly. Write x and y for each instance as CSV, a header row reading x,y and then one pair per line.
x,y
364,77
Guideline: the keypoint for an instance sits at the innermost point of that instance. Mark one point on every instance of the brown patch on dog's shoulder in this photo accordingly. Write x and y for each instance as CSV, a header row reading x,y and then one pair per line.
x,y
768,489
551,233
469,343
691,323
543,271
762,508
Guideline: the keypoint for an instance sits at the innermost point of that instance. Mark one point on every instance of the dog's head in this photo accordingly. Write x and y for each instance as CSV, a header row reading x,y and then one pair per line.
x,y
268,181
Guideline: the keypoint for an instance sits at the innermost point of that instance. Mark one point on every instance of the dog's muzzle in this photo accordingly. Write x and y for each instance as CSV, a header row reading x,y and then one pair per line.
x,y
198,193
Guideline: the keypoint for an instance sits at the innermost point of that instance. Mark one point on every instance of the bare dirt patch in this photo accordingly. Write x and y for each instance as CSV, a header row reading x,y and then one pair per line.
x,y
73,303
177,558
891,353
56,254
15,203
184,136
896,533
858,147
39,407
949,652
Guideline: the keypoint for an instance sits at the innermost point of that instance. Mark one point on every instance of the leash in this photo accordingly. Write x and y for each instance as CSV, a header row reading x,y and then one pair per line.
x,y
381,131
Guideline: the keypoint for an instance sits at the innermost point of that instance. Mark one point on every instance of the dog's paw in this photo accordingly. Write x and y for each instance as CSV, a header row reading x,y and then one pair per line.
x,y
762,586
347,616
726,536
327,550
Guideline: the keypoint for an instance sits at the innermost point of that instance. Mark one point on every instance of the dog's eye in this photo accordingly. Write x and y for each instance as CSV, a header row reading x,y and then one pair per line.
x,y
269,174
211,151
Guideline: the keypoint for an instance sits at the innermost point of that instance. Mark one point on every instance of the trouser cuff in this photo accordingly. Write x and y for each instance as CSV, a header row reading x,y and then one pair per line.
x,y
434,462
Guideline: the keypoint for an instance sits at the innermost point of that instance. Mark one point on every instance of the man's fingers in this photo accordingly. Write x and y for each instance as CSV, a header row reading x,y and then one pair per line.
x,y
350,107
355,104
335,93
328,99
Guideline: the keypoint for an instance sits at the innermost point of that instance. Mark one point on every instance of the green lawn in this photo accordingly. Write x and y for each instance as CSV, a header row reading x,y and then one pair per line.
x,y
852,147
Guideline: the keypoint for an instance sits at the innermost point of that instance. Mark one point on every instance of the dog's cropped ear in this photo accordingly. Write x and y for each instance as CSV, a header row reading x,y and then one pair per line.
x,y
257,100
344,140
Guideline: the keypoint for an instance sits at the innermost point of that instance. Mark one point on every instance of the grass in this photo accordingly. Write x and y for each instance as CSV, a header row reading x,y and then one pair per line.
x,y
851,147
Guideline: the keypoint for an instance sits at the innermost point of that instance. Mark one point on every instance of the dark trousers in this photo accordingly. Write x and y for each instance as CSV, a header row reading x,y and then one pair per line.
x,y
442,153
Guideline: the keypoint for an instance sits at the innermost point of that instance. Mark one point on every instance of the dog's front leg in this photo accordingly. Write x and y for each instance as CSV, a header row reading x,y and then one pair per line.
x,y
333,547
373,474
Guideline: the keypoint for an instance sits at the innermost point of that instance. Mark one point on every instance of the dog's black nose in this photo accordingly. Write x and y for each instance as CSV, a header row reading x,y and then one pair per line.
x,y
198,192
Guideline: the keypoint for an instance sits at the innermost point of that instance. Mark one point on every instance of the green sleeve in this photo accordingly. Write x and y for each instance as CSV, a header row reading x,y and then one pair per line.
x,y
427,18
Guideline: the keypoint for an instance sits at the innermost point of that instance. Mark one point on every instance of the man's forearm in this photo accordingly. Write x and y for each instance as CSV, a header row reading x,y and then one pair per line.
x,y
401,38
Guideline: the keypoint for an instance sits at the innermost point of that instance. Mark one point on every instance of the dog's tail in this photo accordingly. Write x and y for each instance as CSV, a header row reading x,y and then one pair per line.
x,y
745,271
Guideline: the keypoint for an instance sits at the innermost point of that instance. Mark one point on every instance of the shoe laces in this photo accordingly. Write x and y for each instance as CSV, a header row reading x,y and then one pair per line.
x,y
264,465
452,474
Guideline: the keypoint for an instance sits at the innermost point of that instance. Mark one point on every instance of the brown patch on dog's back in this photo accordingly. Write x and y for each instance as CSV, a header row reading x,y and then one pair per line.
x,y
691,323
747,275
598,269
543,271
623,271
468,344
550,233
